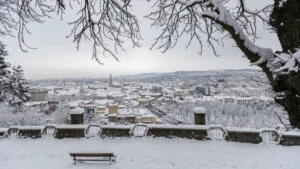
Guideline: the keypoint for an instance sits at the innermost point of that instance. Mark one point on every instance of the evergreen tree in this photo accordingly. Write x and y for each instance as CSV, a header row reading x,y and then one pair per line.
x,y
13,87
19,87
4,74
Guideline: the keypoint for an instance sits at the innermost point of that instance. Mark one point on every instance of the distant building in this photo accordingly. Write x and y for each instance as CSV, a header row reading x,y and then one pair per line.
x,y
221,80
130,118
244,100
204,90
100,109
156,89
112,109
148,119
52,106
143,101
180,93
229,99
38,95
89,109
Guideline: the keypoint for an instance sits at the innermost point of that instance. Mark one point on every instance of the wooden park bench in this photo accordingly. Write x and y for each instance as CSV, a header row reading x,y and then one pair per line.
x,y
93,157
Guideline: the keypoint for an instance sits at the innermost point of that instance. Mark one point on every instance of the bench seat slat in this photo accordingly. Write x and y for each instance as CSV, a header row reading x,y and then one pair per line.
x,y
92,154
93,159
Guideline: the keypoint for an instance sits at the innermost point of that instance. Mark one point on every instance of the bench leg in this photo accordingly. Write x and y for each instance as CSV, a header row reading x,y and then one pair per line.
x,y
74,159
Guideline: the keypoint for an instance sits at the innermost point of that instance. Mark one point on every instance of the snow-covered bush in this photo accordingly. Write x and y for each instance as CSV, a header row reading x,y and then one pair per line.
x,y
30,116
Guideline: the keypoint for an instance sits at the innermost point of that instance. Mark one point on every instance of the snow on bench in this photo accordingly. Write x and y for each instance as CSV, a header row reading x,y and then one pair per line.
x,y
93,157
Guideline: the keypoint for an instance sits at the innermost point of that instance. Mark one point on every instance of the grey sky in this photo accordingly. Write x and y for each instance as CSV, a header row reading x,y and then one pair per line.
x,y
56,56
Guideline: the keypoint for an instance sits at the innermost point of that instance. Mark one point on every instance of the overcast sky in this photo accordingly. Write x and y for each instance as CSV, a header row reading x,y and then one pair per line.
x,y
56,56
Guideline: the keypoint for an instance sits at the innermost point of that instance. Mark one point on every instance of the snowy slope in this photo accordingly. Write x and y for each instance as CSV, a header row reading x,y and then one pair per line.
x,y
146,153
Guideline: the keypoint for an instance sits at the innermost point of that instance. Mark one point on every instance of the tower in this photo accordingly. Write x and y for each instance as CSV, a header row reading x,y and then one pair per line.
x,y
81,91
110,81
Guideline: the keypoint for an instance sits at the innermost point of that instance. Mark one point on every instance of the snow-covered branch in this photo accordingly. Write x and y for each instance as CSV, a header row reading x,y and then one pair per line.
x,y
177,17
287,62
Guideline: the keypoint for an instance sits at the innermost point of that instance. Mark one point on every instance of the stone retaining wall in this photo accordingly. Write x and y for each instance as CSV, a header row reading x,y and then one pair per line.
x,y
290,140
2,134
168,131
197,134
115,132
31,133
69,133
244,137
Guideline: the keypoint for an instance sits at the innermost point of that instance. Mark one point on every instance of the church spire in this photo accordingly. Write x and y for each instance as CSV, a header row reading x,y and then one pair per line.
x,y
110,81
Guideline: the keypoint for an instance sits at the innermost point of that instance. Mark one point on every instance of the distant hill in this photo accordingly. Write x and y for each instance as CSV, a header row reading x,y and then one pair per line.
x,y
189,75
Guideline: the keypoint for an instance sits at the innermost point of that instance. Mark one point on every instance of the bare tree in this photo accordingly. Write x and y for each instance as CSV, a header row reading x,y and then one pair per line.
x,y
201,19
99,21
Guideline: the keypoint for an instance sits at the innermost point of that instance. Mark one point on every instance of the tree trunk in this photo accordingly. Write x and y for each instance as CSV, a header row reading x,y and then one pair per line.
x,y
285,19
287,88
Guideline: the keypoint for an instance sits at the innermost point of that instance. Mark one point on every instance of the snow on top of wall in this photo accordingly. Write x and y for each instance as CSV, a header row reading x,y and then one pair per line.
x,y
200,110
238,129
29,127
77,110
77,126
293,133
169,126
117,126
3,129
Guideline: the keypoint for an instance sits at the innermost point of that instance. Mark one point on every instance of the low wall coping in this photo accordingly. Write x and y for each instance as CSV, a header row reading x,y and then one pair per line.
x,y
3,129
117,126
244,130
79,126
182,127
29,127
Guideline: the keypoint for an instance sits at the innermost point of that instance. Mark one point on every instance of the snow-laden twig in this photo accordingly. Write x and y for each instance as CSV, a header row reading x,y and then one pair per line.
x,y
288,62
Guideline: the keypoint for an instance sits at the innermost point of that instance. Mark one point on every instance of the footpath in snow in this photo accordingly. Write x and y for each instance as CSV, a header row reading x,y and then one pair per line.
x,y
146,153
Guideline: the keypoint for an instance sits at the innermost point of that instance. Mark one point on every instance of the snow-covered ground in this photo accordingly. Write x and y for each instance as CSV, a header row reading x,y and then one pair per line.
x,y
146,153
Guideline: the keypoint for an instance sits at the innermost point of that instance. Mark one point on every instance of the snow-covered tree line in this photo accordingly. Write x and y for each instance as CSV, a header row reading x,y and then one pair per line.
x,y
13,86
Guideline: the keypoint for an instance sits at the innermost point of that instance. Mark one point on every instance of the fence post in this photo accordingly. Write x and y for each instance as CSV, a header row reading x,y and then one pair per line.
x,y
200,115
77,118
